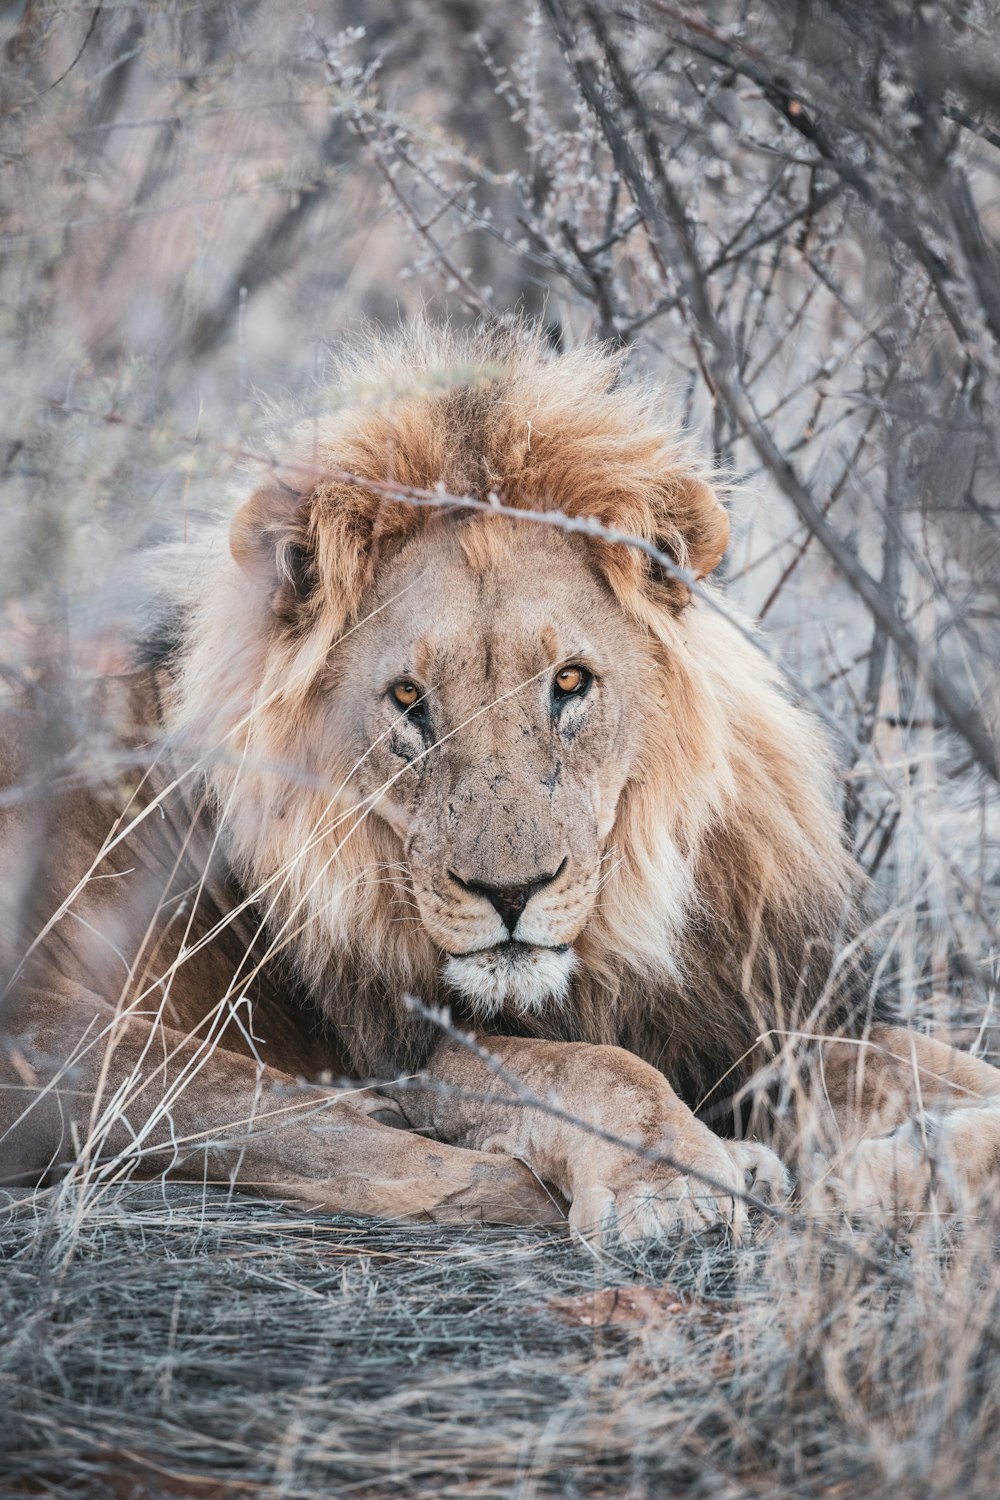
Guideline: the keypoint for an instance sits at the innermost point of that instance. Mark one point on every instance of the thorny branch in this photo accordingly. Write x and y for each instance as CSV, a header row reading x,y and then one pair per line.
x,y
672,234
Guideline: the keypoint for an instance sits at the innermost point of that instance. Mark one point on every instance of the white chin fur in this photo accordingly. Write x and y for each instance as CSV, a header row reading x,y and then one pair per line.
x,y
526,979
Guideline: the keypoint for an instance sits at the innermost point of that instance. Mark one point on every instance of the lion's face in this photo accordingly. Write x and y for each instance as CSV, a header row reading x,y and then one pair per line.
x,y
493,693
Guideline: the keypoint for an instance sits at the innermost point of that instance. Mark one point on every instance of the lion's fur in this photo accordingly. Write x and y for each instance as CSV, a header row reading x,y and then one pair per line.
x,y
729,894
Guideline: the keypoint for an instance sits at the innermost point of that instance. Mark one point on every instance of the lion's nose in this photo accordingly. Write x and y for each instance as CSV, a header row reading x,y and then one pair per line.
x,y
508,900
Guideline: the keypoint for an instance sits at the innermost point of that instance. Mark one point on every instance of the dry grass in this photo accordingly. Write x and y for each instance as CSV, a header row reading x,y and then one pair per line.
x,y
175,1342
792,214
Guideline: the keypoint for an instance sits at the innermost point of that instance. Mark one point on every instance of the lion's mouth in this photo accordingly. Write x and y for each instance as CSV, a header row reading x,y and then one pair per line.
x,y
511,949
512,975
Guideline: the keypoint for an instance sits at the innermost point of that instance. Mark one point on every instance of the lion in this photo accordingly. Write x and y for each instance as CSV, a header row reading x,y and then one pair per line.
x,y
436,860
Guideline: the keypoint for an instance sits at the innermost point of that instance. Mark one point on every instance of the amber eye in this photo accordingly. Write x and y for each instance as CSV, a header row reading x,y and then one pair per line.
x,y
405,693
571,682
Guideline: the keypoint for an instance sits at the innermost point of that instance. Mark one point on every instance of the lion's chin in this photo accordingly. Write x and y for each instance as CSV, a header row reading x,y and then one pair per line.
x,y
513,976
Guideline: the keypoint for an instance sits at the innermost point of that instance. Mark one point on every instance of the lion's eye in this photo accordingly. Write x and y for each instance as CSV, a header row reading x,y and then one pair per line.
x,y
405,694
571,682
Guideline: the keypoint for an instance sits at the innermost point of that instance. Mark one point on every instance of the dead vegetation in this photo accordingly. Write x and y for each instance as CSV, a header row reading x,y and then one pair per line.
x,y
182,1343
789,210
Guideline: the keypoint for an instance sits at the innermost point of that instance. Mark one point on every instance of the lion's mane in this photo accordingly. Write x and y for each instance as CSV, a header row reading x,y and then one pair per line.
x,y
730,910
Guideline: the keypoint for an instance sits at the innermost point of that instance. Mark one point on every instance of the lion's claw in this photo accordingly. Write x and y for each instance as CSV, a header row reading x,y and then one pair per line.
x,y
651,1202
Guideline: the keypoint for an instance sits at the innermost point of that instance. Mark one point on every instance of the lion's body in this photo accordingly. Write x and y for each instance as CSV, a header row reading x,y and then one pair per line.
x,y
650,861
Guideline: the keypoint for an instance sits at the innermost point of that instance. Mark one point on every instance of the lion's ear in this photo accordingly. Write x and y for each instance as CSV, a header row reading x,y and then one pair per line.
x,y
693,526
271,539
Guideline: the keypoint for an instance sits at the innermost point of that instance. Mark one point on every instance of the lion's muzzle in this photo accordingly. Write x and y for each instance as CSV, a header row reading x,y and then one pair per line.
x,y
513,975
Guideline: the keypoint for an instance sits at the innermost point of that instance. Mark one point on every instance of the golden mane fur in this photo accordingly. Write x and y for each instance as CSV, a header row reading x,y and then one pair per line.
x,y
728,895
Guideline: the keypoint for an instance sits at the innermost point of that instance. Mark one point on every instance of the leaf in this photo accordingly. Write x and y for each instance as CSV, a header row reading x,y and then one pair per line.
x,y
631,1307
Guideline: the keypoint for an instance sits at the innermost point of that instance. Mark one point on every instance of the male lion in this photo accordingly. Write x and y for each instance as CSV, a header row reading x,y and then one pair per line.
x,y
405,749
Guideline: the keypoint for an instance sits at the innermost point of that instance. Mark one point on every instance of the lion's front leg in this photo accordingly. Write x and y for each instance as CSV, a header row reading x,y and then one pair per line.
x,y
615,1189
109,1095
911,1116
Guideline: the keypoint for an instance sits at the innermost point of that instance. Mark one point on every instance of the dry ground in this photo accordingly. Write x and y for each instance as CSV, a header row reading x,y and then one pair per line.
x,y
179,1343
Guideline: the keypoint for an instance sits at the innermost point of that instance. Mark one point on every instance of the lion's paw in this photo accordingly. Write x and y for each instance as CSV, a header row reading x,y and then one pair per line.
x,y
948,1161
641,1202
